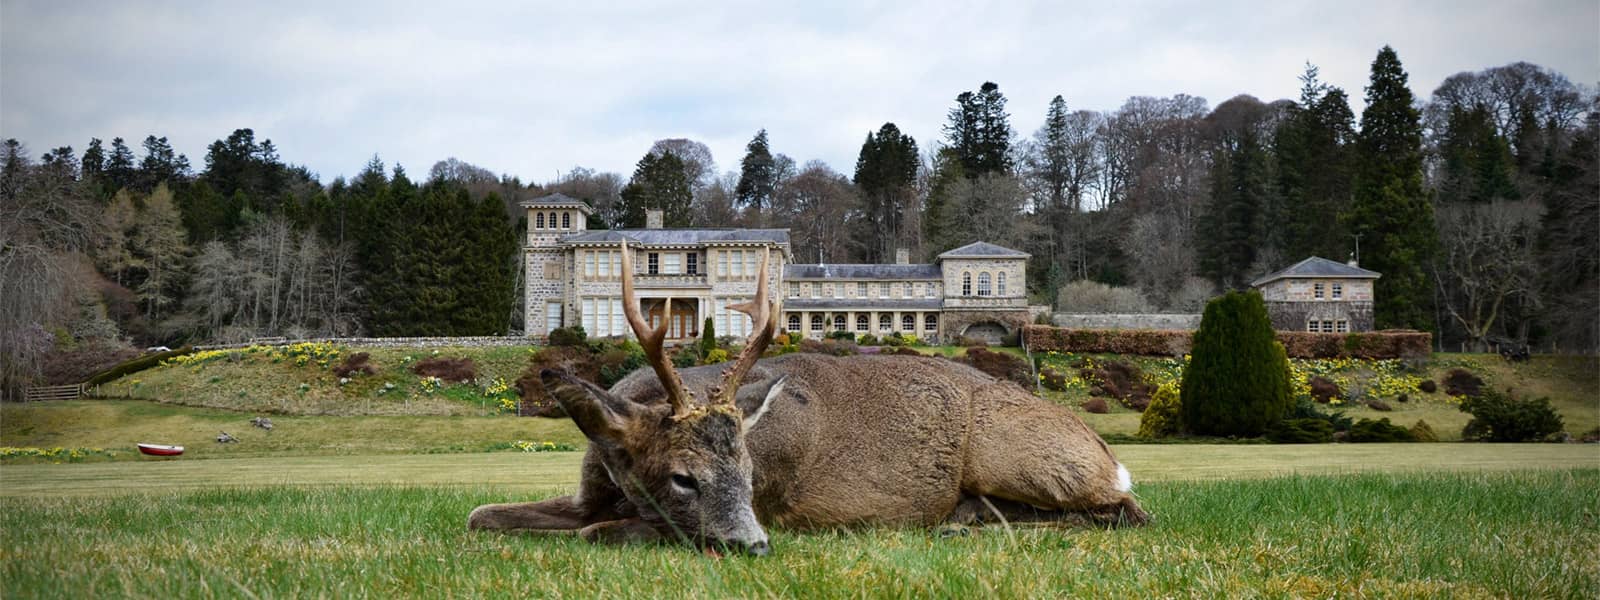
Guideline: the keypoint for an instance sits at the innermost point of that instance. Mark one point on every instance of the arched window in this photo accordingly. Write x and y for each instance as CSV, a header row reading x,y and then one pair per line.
x,y
966,284
908,322
983,283
794,322
838,322
816,322
885,322
931,322
538,221
862,322
552,220
566,220
1000,283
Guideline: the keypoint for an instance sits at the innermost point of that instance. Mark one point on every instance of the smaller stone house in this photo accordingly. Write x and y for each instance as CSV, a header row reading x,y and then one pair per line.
x,y
1319,295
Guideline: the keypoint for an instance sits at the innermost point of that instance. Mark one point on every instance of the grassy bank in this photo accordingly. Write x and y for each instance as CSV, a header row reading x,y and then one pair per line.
x,y
1465,535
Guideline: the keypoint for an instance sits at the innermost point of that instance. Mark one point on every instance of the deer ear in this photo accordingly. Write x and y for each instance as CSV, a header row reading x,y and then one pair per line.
x,y
599,414
755,399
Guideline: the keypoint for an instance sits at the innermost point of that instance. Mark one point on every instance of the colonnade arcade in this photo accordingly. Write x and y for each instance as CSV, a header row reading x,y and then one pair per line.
x,y
815,323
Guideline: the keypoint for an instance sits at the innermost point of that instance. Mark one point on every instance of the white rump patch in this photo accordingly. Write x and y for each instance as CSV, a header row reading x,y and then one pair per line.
x,y
1124,480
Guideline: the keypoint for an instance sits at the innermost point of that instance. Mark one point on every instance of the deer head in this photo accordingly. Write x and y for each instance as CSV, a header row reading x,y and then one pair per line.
x,y
682,463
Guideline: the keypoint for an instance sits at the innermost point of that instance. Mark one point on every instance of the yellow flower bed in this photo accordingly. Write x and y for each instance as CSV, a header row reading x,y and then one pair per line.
x,y
57,453
527,446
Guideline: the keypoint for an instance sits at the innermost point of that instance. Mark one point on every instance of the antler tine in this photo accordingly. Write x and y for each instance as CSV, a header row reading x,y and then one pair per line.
x,y
653,340
764,317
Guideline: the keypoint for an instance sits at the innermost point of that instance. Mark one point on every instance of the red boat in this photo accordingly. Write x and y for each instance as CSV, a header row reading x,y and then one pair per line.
x,y
160,450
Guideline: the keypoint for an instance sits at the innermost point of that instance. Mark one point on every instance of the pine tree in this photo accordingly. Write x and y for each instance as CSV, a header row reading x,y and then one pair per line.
x,y
979,130
161,164
939,231
658,183
886,173
758,175
1312,168
1237,380
94,160
1391,210
1235,222
1477,167
120,172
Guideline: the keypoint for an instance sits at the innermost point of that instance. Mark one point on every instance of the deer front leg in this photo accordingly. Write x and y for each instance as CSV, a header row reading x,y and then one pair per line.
x,y
554,515
621,531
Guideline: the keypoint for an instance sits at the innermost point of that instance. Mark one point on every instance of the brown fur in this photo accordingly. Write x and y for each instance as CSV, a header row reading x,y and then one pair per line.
x,y
866,440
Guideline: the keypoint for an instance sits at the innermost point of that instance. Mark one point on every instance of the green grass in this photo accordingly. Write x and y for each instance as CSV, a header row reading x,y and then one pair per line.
x,y
1532,534
119,424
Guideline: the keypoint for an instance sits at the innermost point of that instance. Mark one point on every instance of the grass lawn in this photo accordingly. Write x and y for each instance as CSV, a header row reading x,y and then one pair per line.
x,y
1465,534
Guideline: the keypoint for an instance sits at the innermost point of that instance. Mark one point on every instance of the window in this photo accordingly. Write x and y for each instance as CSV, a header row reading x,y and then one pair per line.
x,y
1000,282
966,284
738,263
1341,326
838,291
671,263
908,322
1338,291
816,322
1327,326
552,220
930,322
807,289
838,322
552,316
692,263
794,322
1316,291
538,221
566,220
794,290
602,316
589,264
606,260
861,289
983,283
749,263
883,290
722,264
932,290
654,262
862,322
885,322
728,320
906,293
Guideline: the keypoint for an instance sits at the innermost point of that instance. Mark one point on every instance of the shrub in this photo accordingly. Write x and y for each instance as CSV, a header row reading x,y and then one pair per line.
x,y
355,363
1084,296
1301,431
1298,344
686,356
66,367
136,365
831,347
1238,380
970,342
1324,390
454,370
868,339
1305,408
1379,431
569,336
716,355
1000,365
842,334
1053,379
894,339
1422,432
1461,382
617,360
1428,386
1162,418
903,351
1122,381
708,338
1096,405
1501,417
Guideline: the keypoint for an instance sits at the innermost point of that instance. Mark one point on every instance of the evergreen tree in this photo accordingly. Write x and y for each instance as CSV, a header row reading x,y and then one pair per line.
x,y
886,174
1390,209
1234,221
1237,380
758,175
94,160
207,215
1477,165
939,228
1569,249
658,183
1311,174
120,171
161,164
979,130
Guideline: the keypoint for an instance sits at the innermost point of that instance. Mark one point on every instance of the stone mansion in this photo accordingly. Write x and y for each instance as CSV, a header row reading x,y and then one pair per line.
x,y
573,278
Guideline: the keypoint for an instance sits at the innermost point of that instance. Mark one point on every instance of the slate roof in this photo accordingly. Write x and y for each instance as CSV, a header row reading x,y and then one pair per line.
x,y
557,200
983,250
793,304
825,271
1319,267
680,237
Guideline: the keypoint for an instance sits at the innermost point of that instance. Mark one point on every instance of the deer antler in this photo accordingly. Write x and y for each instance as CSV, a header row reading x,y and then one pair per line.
x,y
764,317
678,395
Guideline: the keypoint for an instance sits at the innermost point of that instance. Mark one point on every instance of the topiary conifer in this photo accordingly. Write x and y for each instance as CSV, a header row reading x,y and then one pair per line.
x,y
1237,381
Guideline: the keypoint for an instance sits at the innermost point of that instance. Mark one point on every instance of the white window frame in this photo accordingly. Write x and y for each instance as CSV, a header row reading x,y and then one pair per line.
x,y
794,322
983,284
1338,291
672,263
1000,284
861,289
885,322
908,322
930,322
863,322
552,316
1316,291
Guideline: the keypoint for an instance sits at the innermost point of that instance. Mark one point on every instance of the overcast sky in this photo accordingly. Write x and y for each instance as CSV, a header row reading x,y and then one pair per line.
x,y
535,91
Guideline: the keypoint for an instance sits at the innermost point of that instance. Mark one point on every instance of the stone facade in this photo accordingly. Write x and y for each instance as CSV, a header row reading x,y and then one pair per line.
x,y
1319,295
1178,322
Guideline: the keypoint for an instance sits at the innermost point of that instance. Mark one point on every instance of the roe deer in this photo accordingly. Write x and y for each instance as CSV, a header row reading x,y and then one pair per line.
x,y
806,441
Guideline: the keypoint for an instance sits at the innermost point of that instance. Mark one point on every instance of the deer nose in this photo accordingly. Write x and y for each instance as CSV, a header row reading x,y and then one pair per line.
x,y
759,548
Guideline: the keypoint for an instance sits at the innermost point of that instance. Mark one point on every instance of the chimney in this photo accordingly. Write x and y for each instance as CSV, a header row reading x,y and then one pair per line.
x,y
902,256
1353,262
653,218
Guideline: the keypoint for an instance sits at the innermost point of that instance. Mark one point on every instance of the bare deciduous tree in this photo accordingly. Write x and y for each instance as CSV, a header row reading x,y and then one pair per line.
x,y
1486,259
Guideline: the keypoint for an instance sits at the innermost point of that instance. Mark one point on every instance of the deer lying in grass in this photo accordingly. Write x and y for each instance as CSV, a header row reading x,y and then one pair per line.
x,y
808,441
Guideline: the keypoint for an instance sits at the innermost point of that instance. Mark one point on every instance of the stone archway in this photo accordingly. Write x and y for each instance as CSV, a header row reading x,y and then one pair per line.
x,y
989,332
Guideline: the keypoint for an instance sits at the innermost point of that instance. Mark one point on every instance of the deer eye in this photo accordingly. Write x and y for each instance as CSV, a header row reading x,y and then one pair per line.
x,y
685,482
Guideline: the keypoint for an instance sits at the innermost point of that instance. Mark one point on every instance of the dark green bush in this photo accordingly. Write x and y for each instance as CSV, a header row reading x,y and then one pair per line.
x,y
842,334
868,339
1501,417
1305,408
1422,432
569,336
708,338
1301,431
1379,431
1237,381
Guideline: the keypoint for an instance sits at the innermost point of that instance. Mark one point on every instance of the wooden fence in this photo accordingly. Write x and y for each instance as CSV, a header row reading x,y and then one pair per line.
x,y
55,392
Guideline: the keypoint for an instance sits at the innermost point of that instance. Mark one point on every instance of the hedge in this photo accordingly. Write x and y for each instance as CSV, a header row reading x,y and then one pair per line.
x,y
136,365
1299,344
